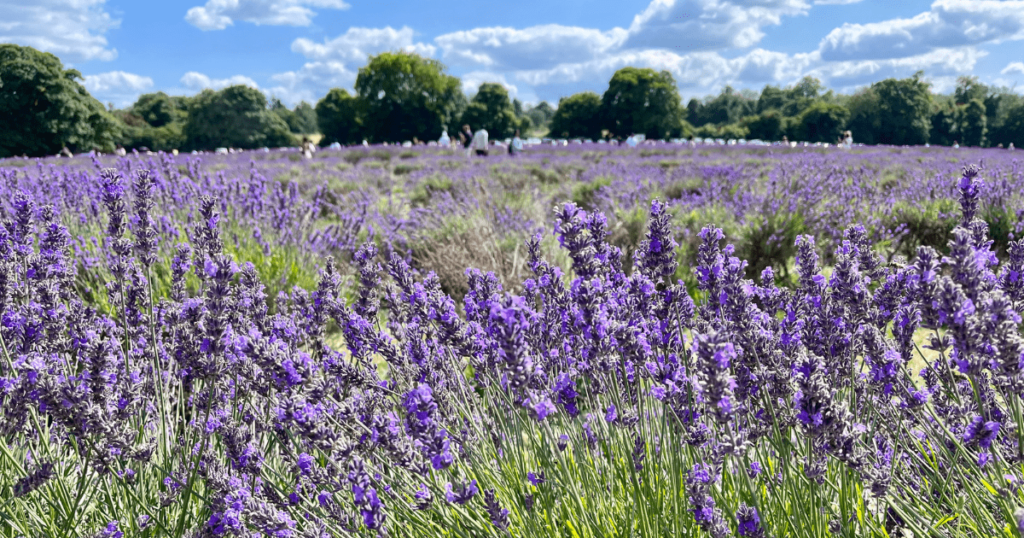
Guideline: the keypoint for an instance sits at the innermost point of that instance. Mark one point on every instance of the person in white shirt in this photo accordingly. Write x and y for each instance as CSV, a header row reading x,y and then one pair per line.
x,y
1010,147
516,147
444,142
479,144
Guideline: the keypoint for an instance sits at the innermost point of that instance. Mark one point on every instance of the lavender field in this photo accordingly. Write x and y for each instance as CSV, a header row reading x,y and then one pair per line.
x,y
580,341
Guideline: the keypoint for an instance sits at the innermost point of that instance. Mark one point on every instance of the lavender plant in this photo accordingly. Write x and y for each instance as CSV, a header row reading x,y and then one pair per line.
x,y
868,399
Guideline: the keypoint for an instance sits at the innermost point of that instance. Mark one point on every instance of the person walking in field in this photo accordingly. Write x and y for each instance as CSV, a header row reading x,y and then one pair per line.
x,y
479,143
444,142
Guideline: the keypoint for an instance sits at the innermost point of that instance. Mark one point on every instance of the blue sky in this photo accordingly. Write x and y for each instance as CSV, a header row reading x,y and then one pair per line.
x,y
540,50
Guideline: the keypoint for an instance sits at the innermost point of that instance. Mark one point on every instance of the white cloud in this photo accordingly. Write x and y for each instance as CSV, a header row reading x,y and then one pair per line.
x,y
698,25
71,29
335,62
1015,67
949,23
117,87
197,81
836,2
536,47
116,80
357,44
311,82
937,64
471,82
219,14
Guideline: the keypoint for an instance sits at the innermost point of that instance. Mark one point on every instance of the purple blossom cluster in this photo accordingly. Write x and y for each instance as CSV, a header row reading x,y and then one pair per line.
x,y
878,394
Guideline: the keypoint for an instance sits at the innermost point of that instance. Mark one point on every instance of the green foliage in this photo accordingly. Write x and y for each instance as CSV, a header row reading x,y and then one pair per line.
x,y
768,125
864,121
340,118
578,115
943,128
159,109
728,107
903,111
236,116
491,109
642,101
972,123
300,121
822,122
541,114
406,96
43,107
768,239
928,223
1012,129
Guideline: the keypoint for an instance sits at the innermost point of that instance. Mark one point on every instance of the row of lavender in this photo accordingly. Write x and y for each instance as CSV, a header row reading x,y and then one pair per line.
x,y
437,208
595,401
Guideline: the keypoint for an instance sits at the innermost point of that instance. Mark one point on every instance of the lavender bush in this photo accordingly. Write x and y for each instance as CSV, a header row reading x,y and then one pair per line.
x,y
868,398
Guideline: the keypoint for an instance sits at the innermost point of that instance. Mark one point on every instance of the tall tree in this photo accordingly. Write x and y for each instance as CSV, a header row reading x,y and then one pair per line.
x,y
236,116
904,110
407,96
971,123
642,101
823,122
340,118
578,115
43,107
491,109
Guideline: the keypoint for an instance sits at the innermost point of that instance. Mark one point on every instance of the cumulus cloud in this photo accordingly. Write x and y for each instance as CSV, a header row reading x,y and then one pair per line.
x,y
357,44
311,82
700,25
471,82
116,80
536,47
836,2
949,23
937,64
198,81
1015,67
117,87
219,14
72,29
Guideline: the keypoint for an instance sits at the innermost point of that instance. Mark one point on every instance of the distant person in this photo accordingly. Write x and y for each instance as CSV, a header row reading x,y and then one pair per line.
x,y
956,145
120,151
444,141
1010,147
516,147
307,148
65,152
466,136
479,143
785,140
689,141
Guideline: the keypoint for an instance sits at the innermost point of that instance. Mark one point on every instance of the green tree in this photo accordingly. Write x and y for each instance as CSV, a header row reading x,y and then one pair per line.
x,y
43,107
236,116
728,107
969,89
904,110
971,123
158,109
864,121
340,118
578,116
823,122
1013,127
305,119
491,109
642,101
406,96
540,114
943,129
768,125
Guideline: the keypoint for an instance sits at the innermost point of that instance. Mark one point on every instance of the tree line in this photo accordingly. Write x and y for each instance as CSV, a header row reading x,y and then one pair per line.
x,y
401,96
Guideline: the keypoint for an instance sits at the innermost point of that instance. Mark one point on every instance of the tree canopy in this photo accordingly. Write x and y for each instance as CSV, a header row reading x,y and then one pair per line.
x,y
642,101
406,96
236,116
339,117
491,109
578,115
43,107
